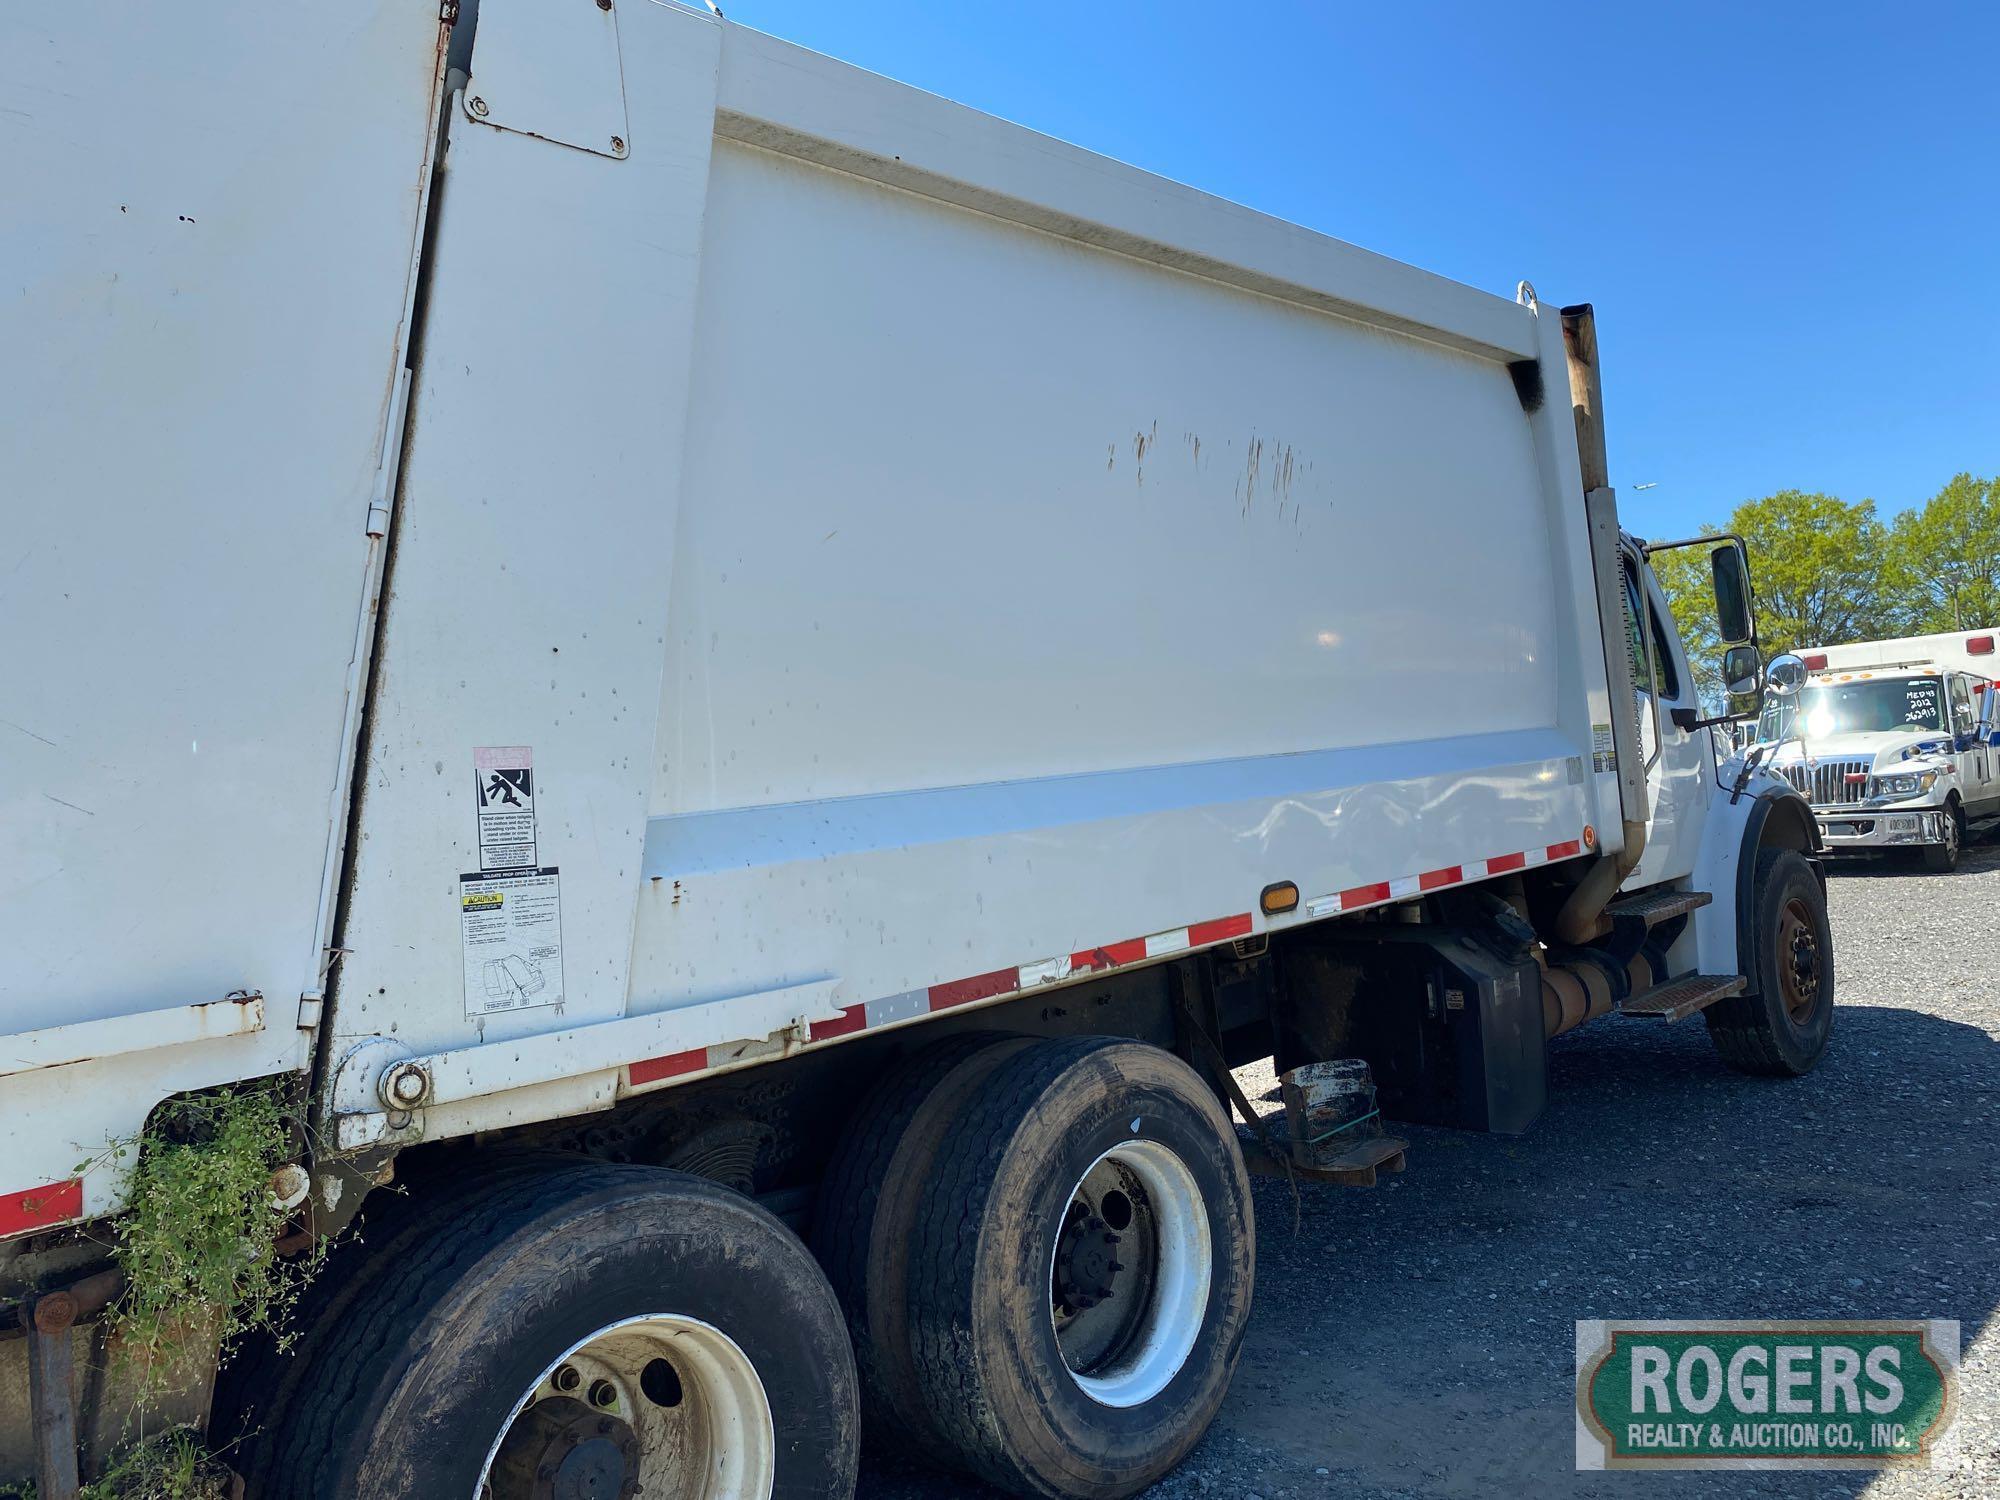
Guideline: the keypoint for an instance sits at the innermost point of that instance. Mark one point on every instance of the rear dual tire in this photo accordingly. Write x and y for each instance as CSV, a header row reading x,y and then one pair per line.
x,y
1073,1279
579,1329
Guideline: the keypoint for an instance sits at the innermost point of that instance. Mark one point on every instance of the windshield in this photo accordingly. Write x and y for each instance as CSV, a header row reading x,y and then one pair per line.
x,y
1879,704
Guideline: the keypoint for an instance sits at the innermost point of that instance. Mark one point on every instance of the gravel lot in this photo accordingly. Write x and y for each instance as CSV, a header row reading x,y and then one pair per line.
x,y
1416,1339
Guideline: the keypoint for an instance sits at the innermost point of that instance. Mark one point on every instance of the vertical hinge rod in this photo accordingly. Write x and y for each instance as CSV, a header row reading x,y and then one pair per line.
x,y
383,496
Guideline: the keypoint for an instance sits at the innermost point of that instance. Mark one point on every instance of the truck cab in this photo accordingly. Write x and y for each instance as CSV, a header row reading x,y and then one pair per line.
x,y
1895,743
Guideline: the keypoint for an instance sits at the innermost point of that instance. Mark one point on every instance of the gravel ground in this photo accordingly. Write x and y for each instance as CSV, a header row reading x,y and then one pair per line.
x,y
1416,1339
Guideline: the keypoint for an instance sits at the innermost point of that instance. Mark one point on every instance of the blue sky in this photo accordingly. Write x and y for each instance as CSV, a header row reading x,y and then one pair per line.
x,y
1787,215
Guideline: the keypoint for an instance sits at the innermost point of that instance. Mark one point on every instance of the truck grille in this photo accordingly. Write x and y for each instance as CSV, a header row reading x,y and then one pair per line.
x,y
1829,782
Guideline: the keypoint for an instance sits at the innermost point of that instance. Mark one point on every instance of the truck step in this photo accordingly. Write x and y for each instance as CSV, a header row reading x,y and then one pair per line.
x,y
1655,907
1353,1166
1683,996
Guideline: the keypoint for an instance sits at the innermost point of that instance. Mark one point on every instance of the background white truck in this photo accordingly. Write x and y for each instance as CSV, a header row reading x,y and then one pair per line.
x,y
1896,743
693,643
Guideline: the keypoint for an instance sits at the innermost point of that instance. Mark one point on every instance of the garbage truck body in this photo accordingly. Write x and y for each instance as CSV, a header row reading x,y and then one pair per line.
x,y
743,686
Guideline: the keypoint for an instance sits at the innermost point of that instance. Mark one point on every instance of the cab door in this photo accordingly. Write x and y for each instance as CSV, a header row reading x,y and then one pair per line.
x,y
1678,761
1978,773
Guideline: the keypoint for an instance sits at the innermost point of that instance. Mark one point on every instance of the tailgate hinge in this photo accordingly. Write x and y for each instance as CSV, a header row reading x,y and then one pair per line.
x,y
382,496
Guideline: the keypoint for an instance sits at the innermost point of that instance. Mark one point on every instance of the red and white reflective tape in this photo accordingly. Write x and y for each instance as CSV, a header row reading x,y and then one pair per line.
x,y
1401,889
868,1014
1029,976
41,1207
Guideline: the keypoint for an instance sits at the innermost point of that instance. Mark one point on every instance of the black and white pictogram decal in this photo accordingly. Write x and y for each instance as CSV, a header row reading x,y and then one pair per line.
x,y
504,787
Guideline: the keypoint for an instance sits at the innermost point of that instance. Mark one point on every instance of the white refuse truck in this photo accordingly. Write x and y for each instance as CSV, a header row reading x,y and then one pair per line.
x,y
742,686
1896,743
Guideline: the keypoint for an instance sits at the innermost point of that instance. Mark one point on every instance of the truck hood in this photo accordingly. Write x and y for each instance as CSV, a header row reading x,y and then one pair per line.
x,y
1879,748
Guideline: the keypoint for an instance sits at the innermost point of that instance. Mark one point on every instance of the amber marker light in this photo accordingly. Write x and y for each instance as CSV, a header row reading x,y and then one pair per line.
x,y
1279,898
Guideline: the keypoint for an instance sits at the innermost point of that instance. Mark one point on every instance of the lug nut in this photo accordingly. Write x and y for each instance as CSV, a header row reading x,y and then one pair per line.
x,y
603,1394
566,1378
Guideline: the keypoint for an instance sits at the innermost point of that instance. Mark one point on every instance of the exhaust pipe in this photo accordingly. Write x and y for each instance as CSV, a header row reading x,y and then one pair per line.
x,y
1581,920
1586,985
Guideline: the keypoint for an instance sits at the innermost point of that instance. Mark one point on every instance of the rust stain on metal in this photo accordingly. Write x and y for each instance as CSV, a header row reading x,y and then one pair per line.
x,y
54,1311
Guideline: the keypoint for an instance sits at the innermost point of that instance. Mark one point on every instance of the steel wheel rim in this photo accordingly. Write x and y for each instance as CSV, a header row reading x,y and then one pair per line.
x,y
1124,1354
698,1429
1950,836
1798,961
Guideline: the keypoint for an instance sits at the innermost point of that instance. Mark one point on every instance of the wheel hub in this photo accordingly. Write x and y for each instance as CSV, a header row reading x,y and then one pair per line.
x,y
1087,1264
560,1449
659,1405
1800,966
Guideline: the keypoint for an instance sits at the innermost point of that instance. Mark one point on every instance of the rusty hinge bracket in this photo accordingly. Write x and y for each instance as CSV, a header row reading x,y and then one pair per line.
x,y
382,494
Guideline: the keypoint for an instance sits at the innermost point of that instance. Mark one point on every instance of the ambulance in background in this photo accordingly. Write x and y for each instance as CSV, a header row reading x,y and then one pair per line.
x,y
1895,743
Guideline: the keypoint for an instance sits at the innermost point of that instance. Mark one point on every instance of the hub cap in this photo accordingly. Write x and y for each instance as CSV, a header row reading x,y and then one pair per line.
x,y
1129,1273
1798,960
661,1407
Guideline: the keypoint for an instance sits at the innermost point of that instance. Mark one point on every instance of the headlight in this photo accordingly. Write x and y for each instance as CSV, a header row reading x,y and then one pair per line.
x,y
1908,784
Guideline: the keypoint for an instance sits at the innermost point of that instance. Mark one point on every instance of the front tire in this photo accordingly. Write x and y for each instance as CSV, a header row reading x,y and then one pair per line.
x,y
1081,1275
1942,859
618,1329
1780,1026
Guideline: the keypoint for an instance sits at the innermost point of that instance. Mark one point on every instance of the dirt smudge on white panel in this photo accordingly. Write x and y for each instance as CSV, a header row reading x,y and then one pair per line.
x,y
1142,444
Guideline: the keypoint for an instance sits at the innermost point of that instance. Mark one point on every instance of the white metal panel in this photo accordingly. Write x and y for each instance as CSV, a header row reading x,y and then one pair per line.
x,y
1014,594
1945,648
965,503
803,104
212,221
551,70
80,1041
898,893
534,541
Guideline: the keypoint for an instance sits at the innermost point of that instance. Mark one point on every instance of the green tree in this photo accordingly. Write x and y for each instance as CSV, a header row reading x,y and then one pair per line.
x,y
1946,556
1821,569
1820,566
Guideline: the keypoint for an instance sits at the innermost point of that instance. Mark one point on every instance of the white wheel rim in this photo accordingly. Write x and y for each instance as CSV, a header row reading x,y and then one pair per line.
x,y
702,1432
1175,1294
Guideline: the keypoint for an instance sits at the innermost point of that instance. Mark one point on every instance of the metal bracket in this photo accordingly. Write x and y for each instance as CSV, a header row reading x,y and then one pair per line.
x,y
380,1084
550,69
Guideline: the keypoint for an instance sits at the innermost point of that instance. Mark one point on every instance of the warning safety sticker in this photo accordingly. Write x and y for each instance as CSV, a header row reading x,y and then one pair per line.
x,y
504,783
511,926
1603,753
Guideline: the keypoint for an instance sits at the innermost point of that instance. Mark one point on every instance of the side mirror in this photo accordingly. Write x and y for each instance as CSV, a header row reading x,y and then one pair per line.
x,y
1786,675
1743,682
1733,615
1742,666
